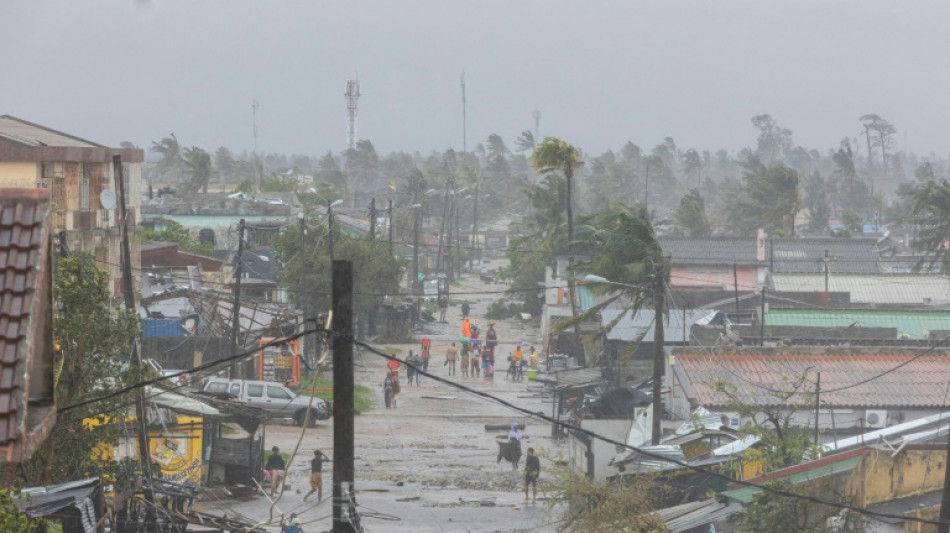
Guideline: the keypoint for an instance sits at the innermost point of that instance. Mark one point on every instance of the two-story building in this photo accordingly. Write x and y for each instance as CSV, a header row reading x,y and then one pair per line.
x,y
77,173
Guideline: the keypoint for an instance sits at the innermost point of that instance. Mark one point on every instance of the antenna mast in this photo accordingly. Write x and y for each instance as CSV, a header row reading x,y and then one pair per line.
x,y
464,132
254,105
352,95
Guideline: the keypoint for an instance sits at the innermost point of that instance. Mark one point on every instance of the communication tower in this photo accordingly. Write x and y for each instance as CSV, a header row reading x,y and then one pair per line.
x,y
352,95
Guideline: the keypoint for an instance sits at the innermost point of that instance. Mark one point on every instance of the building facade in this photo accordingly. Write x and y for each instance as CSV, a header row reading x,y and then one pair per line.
x,y
77,172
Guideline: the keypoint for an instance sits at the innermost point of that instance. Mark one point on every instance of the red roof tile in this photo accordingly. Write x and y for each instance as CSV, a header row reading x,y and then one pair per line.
x,y
895,378
22,212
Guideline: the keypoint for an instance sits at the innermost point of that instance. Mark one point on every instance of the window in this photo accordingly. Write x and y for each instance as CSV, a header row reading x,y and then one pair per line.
x,y
217,387
235,389
255,391
84,194
278,393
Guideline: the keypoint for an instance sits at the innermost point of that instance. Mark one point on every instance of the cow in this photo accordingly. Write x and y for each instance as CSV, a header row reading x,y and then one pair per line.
x,y
509,450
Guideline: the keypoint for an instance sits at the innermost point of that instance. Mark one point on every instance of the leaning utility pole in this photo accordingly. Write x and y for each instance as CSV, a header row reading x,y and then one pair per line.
x,y
659,356
345,519
236,305
128,290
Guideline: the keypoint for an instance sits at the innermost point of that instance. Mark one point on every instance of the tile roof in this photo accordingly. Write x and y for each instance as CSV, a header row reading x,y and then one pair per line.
x,y
895,378
869,288
913,324
807,255
31,134
23,213
711,250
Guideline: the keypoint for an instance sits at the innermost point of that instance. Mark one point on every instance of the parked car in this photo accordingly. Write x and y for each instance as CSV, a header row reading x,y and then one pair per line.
x,y
273,398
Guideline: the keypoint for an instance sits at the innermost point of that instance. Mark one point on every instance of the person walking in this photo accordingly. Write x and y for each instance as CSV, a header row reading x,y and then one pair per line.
x,y
275,467
316,475
410,369
388,389
451,354
425,355
488,369
532,471
465,360
491,337
533,358
416,362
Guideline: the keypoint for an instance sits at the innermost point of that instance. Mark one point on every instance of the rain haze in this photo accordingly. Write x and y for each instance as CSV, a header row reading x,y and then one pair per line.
x,y
600,74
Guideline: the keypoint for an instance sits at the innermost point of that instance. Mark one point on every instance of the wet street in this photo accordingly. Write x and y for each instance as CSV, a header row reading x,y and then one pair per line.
x,y
429,464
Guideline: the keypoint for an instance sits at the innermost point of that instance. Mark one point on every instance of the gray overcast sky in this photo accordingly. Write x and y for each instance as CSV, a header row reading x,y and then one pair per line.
x,y
600,73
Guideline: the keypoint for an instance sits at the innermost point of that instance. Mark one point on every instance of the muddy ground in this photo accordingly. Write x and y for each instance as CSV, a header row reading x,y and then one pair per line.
x,y
429,464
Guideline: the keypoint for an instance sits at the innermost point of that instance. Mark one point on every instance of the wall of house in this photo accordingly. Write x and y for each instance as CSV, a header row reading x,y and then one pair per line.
x,y
713,277
882,477
603,452
18,174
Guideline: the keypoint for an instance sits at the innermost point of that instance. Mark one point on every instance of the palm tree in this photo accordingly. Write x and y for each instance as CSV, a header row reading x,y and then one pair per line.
x,y
931,211
170,151
552,155
199,164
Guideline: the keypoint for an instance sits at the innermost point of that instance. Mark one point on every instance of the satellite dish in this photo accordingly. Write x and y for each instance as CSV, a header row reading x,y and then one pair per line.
x,y
107,199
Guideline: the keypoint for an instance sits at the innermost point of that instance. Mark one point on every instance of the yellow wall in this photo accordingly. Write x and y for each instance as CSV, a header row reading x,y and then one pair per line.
x,y
177,448
880,477
13,174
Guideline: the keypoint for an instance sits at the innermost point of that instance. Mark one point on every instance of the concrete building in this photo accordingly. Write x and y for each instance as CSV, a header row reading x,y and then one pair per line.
x,y
77,172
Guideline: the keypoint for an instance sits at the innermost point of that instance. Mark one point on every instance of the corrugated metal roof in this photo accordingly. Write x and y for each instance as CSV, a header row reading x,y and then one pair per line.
x,y
895,378
22,215
883,289
805,255
746,494
710,250
631,326
23,132
913,324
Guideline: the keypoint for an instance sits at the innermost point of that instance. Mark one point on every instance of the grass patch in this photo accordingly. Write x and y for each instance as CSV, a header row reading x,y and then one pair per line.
x,y
363,401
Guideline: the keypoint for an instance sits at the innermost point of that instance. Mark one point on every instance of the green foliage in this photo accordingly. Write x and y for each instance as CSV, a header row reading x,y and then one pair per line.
x,y
592,506
12,521
690,216
768,198
245,185
931,211
198,162
784,514
275,183
363,401
175,232
308,275
502,309
95,343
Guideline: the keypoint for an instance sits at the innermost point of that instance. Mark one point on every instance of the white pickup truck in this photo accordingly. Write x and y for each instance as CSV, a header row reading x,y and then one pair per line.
x,y
275,399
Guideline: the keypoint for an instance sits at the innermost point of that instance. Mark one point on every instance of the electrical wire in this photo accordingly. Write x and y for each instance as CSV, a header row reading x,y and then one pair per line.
x,y
766,488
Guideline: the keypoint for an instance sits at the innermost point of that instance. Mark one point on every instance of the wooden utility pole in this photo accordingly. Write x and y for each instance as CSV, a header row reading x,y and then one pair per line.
x,y
330,227
128,290
471,257
236,305
762,320
659,295
344,495
372,219
735,285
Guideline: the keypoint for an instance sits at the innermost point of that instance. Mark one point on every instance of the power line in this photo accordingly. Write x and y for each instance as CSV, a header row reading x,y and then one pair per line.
x,y
765,488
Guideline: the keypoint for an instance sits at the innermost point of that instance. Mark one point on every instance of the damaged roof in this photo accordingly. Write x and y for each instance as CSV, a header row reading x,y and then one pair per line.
x,y
22,216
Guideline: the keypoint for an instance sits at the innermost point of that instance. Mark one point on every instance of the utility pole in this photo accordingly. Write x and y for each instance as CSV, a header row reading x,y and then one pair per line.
x,y
445,214
735,285
330,227
390,227
474,229
762,320
236,371
457,260
128,290
825,260
308,306
417,223
537,126
372,219
344,495
659,295
352,96
464,128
